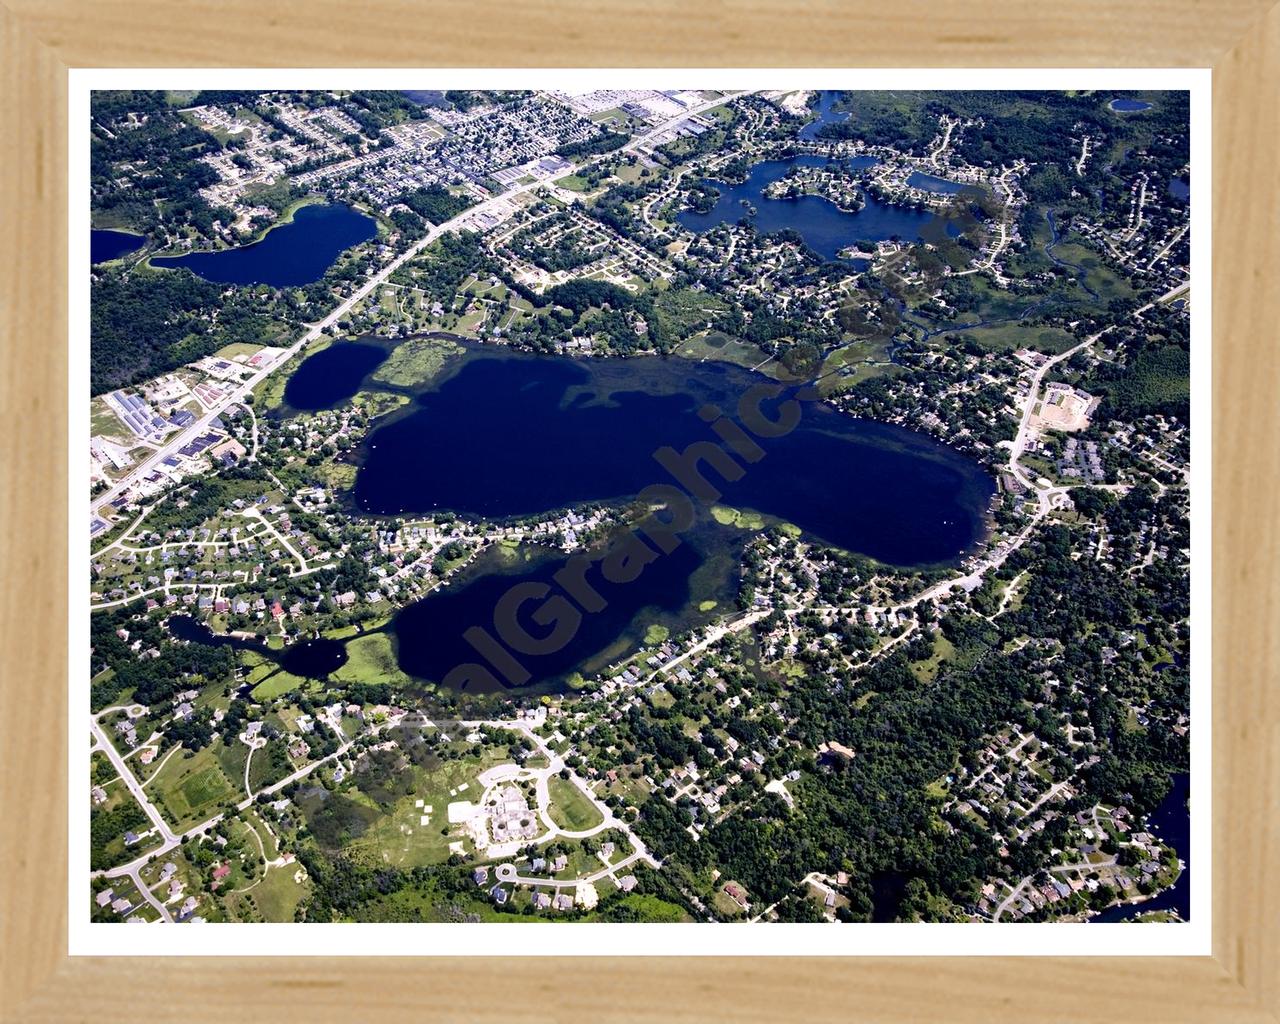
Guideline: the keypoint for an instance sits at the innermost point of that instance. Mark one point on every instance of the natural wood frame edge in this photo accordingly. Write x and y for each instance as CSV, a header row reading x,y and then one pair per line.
x,y
1240,40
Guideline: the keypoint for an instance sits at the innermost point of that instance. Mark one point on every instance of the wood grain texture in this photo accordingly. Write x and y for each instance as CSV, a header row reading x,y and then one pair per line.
x,y
39,39
33,512
649,33
1246,549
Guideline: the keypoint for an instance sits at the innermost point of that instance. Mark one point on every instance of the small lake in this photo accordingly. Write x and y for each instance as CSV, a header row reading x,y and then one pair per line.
x,y
289,255
1171,824
310,659
1179,188
940,186
107,245
1127,106
331,376
824,227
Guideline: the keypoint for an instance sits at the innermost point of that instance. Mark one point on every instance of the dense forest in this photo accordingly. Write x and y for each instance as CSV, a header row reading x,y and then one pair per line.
x,y
149,321
141,130
435,203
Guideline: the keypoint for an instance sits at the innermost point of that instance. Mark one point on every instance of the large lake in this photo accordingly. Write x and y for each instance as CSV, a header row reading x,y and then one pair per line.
x,y
514,434
107,245
509,434
292,254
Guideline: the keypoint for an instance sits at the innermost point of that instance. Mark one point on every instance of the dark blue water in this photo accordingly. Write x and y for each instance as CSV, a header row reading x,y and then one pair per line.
x,y
425,97
1171,824
312,659
109,245
887,890
825,227
332,375
513,434
1179,189
430,641
827,114
292,254
942,186
1125,106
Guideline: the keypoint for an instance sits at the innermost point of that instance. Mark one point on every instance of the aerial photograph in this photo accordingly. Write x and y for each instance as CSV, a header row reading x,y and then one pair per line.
x,y
637,505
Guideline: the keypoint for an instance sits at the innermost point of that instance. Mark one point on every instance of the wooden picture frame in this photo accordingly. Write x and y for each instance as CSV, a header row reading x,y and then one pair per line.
x,y
42,39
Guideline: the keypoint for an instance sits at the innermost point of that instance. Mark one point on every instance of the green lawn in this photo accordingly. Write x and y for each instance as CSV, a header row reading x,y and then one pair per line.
x,y
570,808
398,836
237,348
191,789
573,183
1011,336
943,650
370,659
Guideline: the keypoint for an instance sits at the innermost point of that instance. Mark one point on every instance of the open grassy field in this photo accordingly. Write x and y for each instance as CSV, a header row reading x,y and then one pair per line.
x,y
716,345
370,659
573,183
630,173
273,897
652,909
943,650
102,421
570,809
398,836
1105,281
276,683
1011,336
237,348
191,789
853,363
